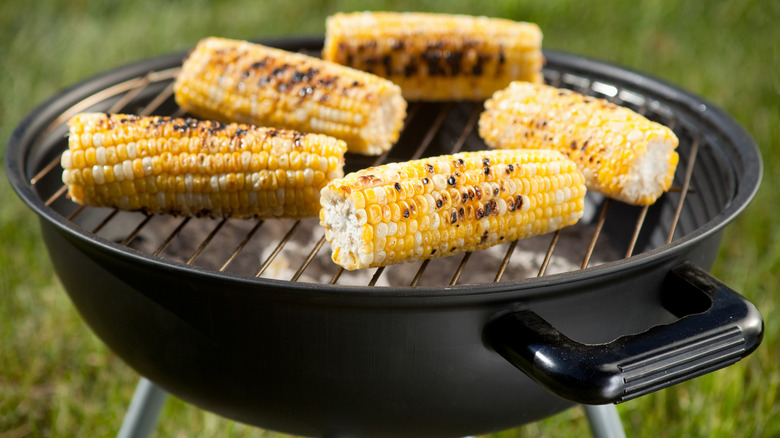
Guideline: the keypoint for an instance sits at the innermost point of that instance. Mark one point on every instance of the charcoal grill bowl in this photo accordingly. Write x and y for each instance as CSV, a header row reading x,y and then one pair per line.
x,y
331,360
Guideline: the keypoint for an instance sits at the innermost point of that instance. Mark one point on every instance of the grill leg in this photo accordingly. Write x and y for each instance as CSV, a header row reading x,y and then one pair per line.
x,y
604,421
141,417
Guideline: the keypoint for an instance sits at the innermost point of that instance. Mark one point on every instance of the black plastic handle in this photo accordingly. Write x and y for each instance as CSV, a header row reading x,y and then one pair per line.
x,y
727,329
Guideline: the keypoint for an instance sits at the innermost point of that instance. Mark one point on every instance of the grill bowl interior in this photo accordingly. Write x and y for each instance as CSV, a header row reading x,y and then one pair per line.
x,y
245,326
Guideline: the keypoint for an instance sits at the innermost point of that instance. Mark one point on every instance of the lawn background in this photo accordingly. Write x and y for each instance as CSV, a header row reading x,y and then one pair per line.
x,y
57,379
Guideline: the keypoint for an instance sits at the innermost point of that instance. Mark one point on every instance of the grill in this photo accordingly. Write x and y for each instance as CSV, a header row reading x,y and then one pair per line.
x,y
433,129
241,317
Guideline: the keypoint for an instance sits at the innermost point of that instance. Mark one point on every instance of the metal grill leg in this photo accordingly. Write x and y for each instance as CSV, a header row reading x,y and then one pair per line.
x,y
141,417
604,421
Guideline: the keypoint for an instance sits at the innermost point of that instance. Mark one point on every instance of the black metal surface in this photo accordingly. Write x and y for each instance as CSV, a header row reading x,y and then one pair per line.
x,y
708,336
324,359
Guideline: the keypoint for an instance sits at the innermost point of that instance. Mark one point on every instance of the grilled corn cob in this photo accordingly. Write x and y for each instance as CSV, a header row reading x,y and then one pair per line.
x,y
237,81
433,207
191,167
621,153
437,56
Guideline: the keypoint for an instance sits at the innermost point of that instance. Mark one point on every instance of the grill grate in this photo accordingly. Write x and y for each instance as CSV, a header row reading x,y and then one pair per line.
x,y
608,232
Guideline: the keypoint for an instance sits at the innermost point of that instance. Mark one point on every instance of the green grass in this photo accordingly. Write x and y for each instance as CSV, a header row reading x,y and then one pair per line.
x,y
57,379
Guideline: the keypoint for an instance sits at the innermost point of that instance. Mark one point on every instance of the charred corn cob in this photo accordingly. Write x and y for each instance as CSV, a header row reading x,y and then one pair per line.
x,y
621,153
237,81
433,207
191,167
437,56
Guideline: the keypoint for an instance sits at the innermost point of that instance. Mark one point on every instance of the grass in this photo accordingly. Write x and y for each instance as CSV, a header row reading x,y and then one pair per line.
x,y
57,379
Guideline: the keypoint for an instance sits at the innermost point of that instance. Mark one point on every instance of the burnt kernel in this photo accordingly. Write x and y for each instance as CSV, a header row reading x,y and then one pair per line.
x,y
461,212
369,179
493,207
433,64
387,61
471,194
239,131
410,70
495,191
573,144
439,203
511,168
406,213
425,180
305,91
259,64
488,208
486,161
279,70
484,237
451,180
519,202
478,192
464,197
397,186
430,168
454,61
479,213
453,217
476,70
412,208
510,204
326,82
298,77
433,251
486,170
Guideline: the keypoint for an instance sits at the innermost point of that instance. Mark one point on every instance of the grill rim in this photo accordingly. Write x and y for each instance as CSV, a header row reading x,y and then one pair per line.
x,y
746,165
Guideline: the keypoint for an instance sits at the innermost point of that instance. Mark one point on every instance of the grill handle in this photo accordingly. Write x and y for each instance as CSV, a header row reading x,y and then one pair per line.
x,y
724,328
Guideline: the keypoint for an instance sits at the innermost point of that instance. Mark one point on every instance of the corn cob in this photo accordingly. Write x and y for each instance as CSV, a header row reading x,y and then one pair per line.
x,y
437,56
237,81
439,206
621,153
191,167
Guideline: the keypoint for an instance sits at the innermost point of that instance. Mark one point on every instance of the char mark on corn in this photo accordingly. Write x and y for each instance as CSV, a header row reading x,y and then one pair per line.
x,y
437,56
439,206
238,81
190,167
622,154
